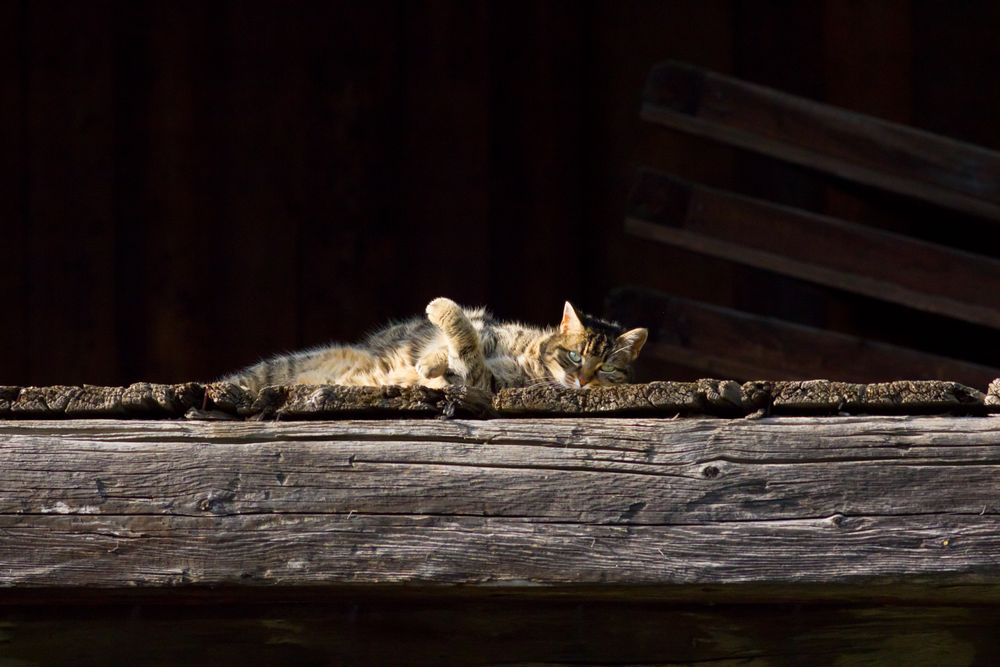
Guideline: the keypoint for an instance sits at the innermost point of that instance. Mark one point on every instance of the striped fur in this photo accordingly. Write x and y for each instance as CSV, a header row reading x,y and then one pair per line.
x,y
464,357
463,346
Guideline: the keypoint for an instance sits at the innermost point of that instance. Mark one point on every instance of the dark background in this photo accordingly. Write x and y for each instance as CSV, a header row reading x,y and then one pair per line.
x,y
187,186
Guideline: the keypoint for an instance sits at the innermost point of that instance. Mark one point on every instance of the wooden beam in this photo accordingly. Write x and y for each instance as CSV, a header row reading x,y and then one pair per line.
x,y
730,343
863,502
812,247
850,145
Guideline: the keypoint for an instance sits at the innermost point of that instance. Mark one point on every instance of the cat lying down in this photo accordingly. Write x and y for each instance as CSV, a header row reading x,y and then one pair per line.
x,y
464,346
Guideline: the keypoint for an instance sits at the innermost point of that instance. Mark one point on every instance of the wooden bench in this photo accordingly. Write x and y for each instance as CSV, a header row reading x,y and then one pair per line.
x,y
723,342
848,256
853,146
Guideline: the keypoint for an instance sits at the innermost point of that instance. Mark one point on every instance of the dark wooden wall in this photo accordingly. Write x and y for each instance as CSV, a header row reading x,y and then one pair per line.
x,y
185,186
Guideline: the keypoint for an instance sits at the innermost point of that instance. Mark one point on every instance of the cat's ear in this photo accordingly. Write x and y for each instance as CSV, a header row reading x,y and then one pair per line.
x,y
632,341
571,323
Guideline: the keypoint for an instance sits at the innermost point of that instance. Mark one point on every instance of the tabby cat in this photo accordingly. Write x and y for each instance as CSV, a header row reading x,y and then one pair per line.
x,y
464,346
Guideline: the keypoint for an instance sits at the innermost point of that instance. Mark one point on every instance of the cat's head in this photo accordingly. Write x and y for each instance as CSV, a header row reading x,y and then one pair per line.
x,y
588,351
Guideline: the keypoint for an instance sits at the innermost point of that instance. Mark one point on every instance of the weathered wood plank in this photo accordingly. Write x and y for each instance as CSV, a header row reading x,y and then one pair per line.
x,y
141,399
817,248
993,394
697,473
729,343
850,145
110,550
724,398
312,402
593,501
223,400
900,397
718,397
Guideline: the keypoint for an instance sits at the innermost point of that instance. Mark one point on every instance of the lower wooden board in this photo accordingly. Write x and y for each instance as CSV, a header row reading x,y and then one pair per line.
x,y
874,503
434,631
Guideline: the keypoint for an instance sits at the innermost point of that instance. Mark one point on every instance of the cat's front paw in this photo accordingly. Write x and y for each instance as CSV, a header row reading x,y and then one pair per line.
x,y
441,310
433,364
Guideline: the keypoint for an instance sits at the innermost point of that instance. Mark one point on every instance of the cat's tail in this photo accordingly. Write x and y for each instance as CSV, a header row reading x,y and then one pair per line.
x,y
465,351
280,369
251,378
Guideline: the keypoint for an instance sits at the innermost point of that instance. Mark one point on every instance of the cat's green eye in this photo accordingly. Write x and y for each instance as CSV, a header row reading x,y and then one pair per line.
x,y
608,368
574,356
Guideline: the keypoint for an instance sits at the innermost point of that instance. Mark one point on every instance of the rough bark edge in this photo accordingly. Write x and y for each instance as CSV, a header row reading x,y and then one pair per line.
x,y
709,397
723,398
318,402
141,400
993,396
829,397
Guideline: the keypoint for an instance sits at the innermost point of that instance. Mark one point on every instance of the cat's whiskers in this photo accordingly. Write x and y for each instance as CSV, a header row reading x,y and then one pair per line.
x,y
545,382
623,348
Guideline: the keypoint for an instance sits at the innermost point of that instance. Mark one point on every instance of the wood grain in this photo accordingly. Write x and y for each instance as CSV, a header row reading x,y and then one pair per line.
x,y
729,343
853,146
814,501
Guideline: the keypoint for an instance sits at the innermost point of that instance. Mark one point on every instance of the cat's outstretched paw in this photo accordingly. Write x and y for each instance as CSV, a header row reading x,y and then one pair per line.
x,y
441,310
433,364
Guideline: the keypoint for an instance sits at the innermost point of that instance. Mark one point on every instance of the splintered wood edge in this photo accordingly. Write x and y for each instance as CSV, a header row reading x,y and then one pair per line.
x,y
722,398
898,397
225,401
709,397
993,396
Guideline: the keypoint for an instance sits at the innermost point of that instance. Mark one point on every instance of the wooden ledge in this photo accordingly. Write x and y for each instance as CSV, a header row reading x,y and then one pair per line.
x,y
720,398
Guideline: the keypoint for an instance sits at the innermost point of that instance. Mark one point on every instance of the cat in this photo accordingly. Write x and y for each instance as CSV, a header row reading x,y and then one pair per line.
x,y
453,345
